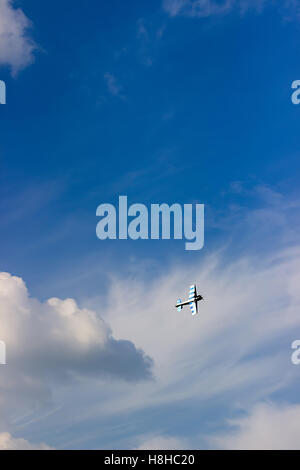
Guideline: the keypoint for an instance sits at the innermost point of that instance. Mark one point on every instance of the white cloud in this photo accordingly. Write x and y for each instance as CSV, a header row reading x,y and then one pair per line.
x,y
16,46
7,442
56,342
267,427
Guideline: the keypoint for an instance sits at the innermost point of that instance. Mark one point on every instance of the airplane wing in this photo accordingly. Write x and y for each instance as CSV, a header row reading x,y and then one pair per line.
x,y
194,308
193,292
192,295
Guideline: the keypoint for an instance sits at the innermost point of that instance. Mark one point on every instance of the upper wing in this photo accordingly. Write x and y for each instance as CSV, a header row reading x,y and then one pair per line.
x,y
193,292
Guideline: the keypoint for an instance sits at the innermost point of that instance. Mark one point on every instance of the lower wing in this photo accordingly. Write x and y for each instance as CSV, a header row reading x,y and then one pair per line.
x,y
194,308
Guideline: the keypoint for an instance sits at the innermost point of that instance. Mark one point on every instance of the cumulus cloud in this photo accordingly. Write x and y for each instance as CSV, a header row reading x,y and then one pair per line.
x,y
269,426
7,442
16,46
57,342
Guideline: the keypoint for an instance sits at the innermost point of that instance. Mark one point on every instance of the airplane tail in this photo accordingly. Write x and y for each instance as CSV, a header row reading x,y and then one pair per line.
x,y
179,308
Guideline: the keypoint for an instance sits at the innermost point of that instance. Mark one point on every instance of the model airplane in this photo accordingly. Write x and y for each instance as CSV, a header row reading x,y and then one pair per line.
x,y
192,302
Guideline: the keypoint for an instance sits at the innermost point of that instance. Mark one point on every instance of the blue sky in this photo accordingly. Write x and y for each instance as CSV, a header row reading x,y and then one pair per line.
x,y
175,101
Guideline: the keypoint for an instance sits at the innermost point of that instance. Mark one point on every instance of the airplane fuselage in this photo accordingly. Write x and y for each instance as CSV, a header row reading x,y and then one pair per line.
x,y
194,299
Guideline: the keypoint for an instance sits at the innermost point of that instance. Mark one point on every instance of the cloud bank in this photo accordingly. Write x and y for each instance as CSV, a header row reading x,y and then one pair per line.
x,y
234,355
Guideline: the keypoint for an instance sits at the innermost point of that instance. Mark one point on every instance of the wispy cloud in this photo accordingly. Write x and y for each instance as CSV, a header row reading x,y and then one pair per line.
x,y
142,31
197,8
148,36
238,348
208,8
113,85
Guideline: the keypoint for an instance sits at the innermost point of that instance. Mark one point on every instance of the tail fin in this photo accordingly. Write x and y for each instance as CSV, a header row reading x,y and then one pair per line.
x,y
179,308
